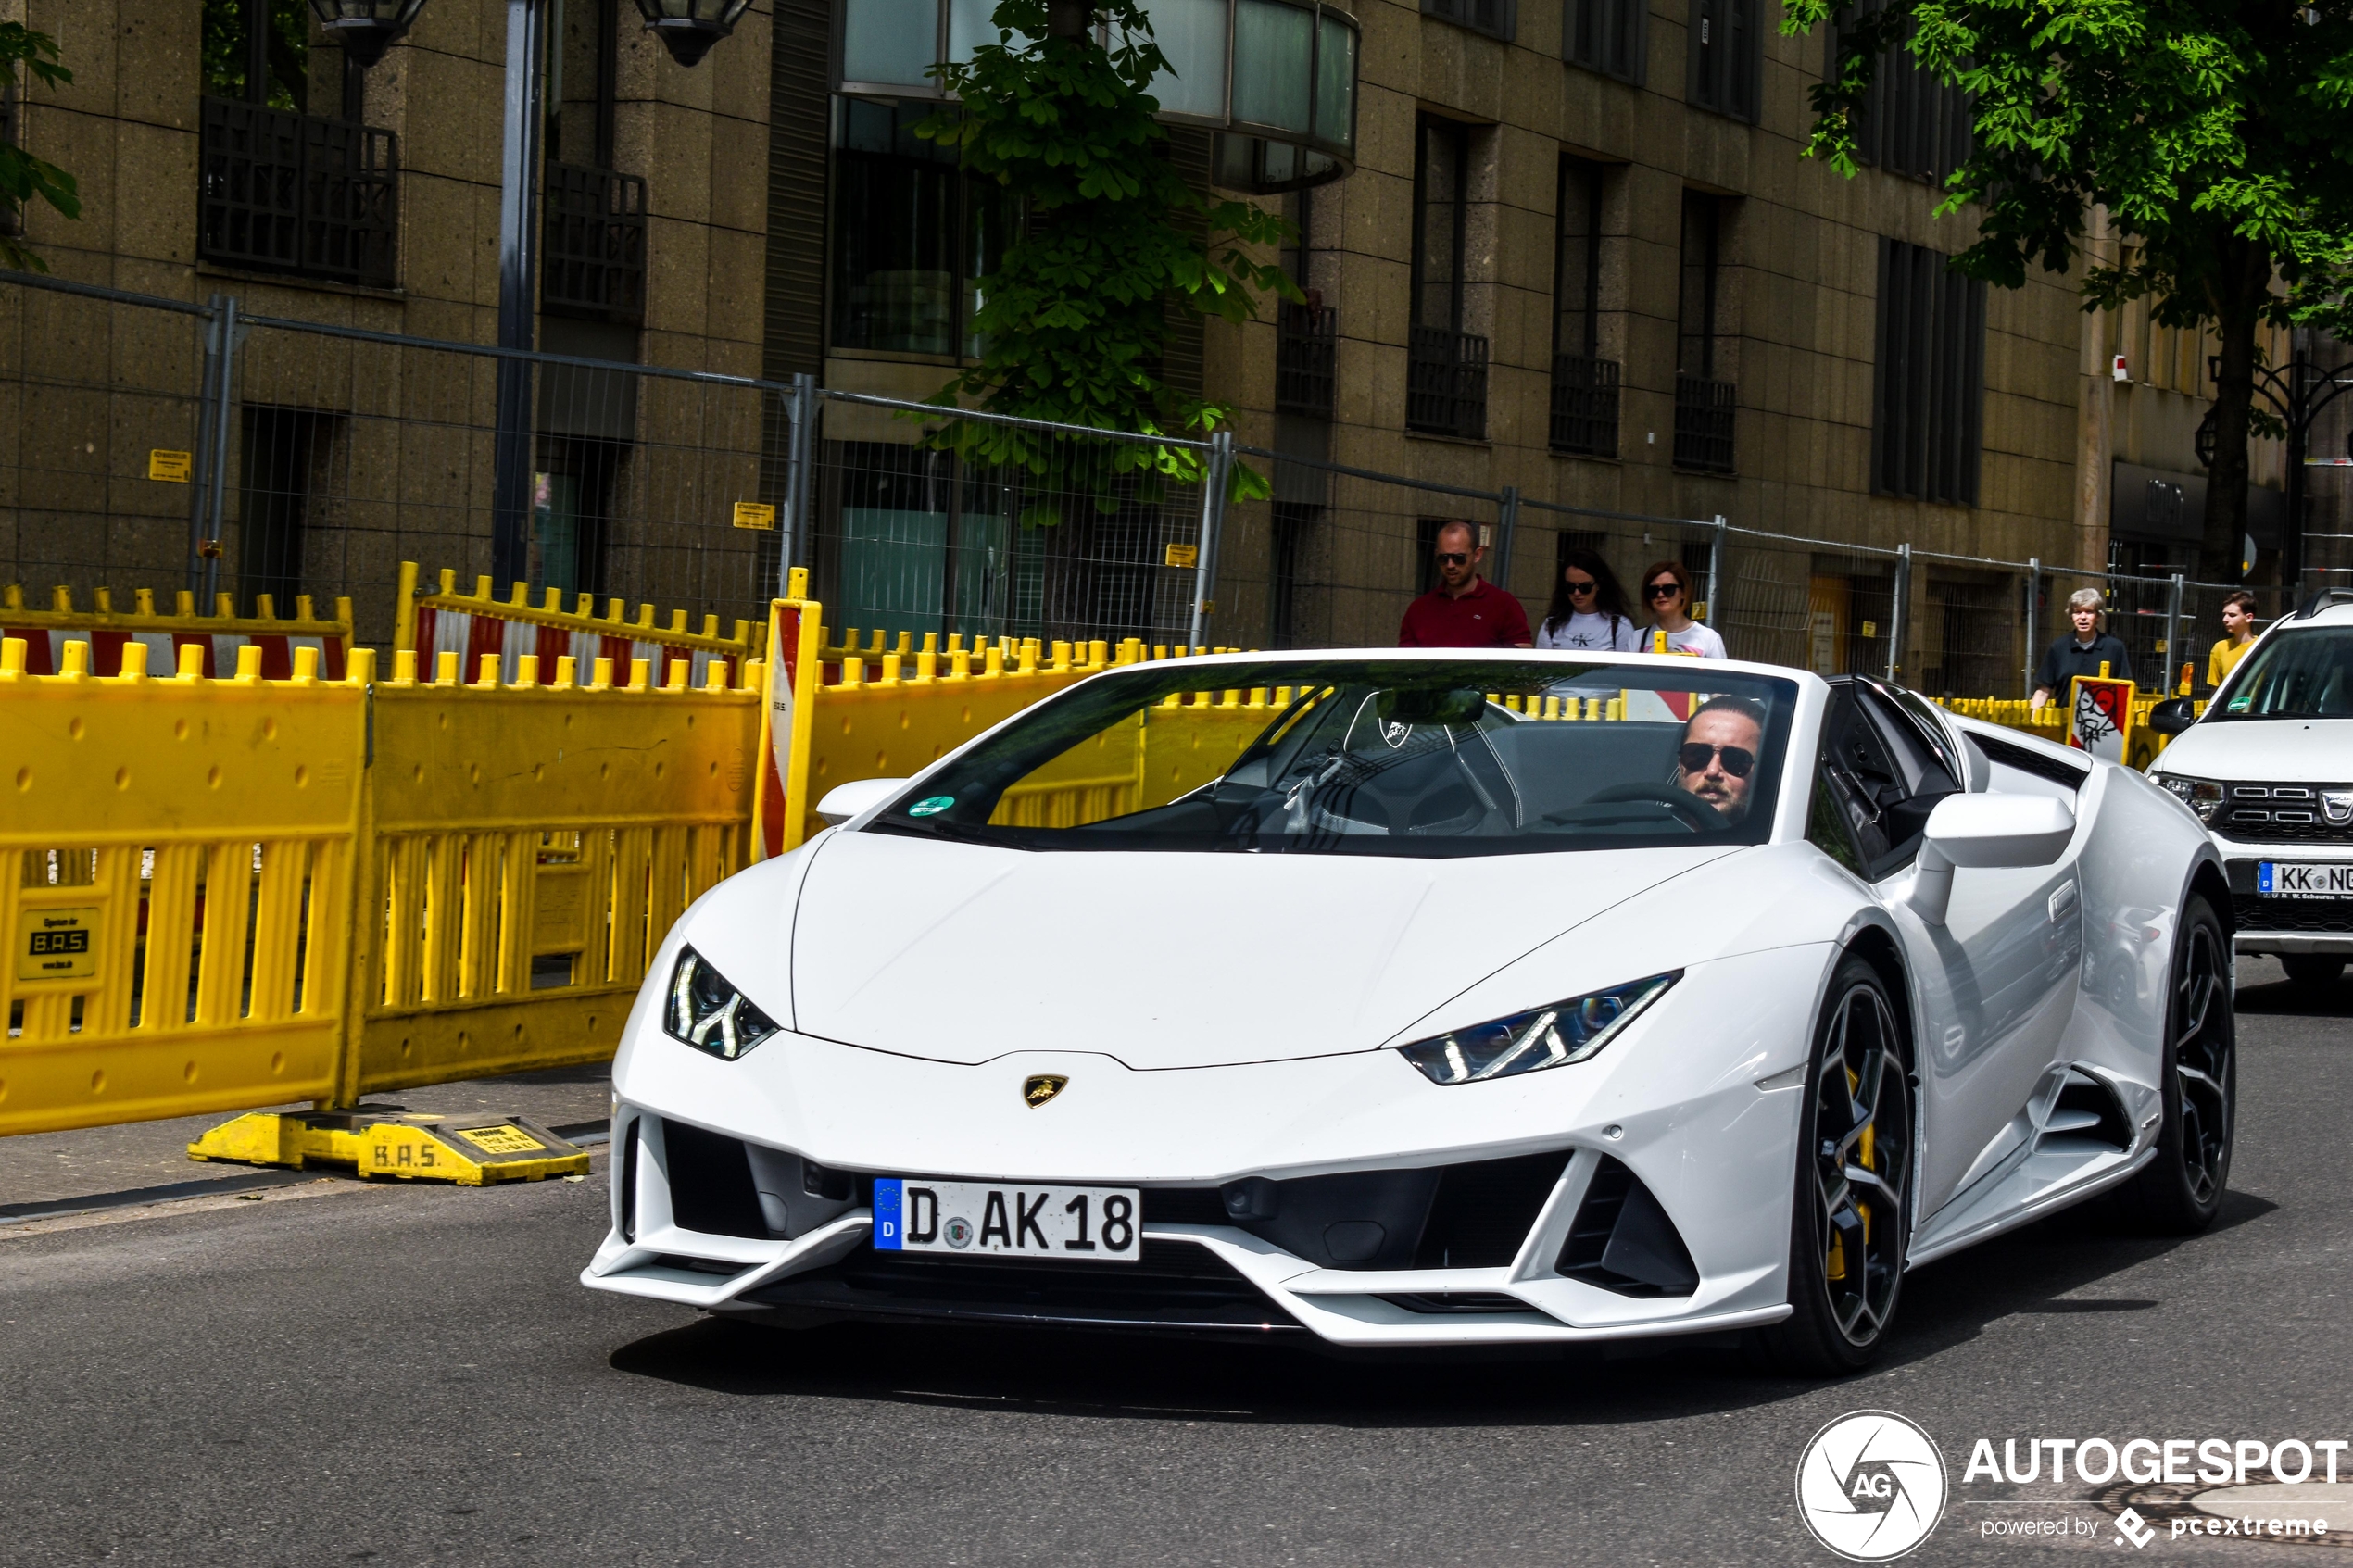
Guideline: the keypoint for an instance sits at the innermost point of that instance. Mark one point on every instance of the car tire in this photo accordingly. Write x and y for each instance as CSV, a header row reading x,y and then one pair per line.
x,y
1857,1158
2180,1191
2312,971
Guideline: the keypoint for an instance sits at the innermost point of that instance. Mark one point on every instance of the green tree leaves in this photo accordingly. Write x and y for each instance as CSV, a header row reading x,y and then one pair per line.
x,y
1071,320
23,177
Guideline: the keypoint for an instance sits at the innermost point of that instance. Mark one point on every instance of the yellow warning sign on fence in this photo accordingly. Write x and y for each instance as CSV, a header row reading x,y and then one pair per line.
x,y
755,514
58,944
1182,555
171,468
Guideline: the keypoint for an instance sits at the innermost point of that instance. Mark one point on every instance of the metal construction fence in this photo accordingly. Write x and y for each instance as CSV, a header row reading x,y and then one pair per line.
x,y
250,460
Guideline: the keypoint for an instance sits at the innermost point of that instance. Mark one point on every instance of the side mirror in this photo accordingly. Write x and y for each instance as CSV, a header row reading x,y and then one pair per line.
x,y
2173,715
845,802
1988,831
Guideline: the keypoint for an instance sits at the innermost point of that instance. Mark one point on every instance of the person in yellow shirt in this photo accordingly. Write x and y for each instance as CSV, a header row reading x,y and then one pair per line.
x,y
2238,622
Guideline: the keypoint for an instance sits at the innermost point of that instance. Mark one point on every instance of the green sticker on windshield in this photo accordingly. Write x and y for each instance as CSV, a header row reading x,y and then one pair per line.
x,y
932,807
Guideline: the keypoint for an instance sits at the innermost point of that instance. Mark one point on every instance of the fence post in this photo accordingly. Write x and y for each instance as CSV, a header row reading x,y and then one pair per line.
x,y
2033,599
1716,580
224,323
1506,525
1212,522
200,493
2172,623
793,539
1897,619
518,282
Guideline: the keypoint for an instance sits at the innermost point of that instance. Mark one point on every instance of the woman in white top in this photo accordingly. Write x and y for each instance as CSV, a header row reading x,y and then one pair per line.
x,y
1588,609
1668,591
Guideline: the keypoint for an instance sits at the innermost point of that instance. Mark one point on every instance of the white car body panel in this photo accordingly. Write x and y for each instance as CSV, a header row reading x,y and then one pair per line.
x,y
1224,1017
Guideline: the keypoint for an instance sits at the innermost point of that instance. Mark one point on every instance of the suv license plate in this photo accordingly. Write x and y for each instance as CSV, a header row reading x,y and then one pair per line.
x,y
2290,879
991,1220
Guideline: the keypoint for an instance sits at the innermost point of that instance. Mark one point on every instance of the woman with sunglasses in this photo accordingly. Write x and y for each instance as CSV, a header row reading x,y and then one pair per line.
x,y
1589,609
1667,589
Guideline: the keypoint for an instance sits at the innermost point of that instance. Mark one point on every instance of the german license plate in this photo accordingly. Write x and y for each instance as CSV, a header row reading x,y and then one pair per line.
x,y
2289,879
1006,1220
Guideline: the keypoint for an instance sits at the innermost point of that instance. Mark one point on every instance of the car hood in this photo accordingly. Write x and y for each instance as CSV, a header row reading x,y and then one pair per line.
x,y
2292,750
963,953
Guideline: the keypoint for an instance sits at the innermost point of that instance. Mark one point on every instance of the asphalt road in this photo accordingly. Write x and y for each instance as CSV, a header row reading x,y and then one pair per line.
x,y
344,1373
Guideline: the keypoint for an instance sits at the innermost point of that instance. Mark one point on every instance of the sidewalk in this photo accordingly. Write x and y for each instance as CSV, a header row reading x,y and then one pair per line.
x,y
46,1170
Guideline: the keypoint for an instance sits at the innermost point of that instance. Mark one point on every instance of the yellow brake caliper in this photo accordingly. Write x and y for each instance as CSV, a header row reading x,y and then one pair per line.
x,y
1834,1266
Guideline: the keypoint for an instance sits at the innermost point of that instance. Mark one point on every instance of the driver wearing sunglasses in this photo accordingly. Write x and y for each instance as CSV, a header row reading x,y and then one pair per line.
x,y
1717,758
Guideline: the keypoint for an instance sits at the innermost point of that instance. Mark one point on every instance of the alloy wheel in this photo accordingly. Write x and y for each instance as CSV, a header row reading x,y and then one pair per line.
x,y
1862,1162
2202,1065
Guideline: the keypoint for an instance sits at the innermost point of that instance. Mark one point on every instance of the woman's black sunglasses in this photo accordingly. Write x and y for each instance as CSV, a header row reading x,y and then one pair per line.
x,y
1695,754
1586,587
1664,590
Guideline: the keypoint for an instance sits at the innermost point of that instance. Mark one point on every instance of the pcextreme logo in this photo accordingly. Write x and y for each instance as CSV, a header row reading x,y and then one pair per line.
x,y
1870,1486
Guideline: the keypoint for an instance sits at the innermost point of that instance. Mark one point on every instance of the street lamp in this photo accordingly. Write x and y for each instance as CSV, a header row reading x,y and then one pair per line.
x,y
689,28
366,27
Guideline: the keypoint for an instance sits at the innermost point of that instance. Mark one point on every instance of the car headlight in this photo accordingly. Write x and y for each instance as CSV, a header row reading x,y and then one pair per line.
x,y
2201,796
708,1013
1540,1037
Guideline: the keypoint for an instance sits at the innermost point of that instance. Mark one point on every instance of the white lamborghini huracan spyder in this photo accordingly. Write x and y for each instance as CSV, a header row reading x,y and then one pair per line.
x,y
1411,997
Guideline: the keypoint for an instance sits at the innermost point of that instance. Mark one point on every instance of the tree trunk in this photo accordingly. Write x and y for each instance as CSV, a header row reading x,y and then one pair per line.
x,y
2243,280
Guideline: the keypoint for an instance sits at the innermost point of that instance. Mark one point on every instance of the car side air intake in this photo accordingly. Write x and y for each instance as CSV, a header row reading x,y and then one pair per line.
x,y
1622,1240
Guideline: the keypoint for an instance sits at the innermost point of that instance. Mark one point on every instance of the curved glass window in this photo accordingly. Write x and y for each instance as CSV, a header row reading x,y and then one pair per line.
x,y
2298,674
1430,757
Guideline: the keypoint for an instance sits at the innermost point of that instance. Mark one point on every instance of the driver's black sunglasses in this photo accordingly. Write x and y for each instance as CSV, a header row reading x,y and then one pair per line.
x,y
1453,557
1695,755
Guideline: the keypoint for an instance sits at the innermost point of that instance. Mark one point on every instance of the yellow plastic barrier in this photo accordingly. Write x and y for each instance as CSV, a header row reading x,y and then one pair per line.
x,y
2049,721
218,636
447,621
227,894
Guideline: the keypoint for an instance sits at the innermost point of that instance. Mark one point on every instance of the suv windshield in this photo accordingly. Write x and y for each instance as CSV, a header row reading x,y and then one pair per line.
x,y
1374,756
2301,673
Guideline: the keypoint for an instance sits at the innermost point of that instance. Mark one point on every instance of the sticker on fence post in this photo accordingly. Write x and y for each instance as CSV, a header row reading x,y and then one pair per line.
x,y
171,467
58,944
755,514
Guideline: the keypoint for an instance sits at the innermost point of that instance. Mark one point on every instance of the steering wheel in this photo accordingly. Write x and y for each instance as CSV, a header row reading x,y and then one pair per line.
x,y
1696,814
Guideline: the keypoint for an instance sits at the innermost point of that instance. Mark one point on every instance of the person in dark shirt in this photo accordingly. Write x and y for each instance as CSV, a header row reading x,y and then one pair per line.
x,y
1465,611
2082,651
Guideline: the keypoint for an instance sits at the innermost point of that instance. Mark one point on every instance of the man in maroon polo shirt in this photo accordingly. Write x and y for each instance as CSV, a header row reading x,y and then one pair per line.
x,y
1465,611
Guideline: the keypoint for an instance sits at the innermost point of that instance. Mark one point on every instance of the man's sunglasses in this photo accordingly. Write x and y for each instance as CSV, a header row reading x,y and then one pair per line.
x,y
1453,557
1695,756
1664,590
1577,587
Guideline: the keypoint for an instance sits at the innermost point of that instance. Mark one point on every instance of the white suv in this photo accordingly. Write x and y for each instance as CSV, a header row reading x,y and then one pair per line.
x,y
2268,769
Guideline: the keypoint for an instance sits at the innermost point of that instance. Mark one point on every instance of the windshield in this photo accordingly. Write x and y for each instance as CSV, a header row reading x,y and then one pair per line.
x,y
1374,757
2300,675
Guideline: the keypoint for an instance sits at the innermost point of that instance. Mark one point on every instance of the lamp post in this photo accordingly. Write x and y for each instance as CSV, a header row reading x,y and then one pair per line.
x,y
366,27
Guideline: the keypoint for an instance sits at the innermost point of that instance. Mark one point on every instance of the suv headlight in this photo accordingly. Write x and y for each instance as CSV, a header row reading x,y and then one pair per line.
x,y
1540,1037
2202,796
708,1013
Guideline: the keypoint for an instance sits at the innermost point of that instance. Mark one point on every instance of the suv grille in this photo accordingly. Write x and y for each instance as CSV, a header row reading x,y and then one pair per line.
x,y
2286,813
2252,911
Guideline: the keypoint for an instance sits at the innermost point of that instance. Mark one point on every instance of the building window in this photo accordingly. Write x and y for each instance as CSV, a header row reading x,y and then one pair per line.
x,y
258,52
1306,333
1446,371
1608,37
1497,19
1909,122
1704,402
1584,412
1928,391
1726,52
287,459
912,235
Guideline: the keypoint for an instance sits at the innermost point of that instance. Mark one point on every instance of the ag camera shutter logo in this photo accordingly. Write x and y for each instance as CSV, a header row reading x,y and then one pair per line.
x,y
1870,1486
